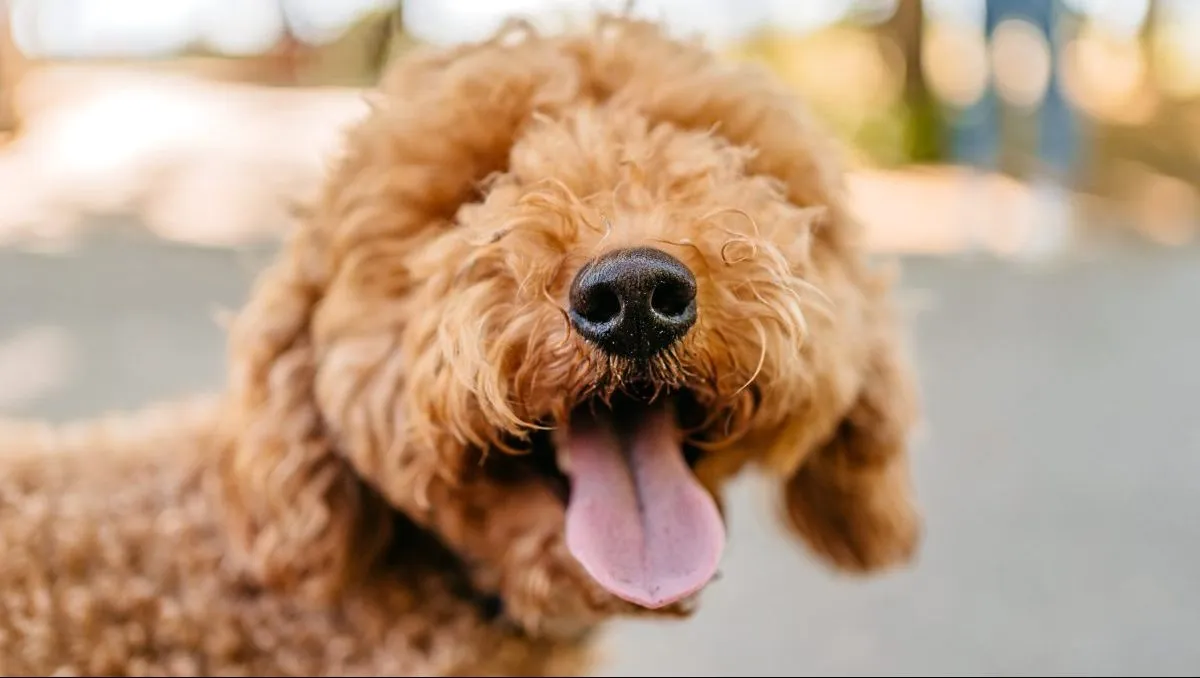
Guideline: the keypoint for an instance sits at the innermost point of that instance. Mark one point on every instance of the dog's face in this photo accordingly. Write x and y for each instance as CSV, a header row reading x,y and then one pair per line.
x,y
532,311
623,306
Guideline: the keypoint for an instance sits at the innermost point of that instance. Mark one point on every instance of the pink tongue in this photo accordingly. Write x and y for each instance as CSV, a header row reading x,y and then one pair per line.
x,y
638,520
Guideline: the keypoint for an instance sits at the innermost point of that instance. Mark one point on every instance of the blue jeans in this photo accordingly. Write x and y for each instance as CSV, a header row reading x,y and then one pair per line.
x,y
975,133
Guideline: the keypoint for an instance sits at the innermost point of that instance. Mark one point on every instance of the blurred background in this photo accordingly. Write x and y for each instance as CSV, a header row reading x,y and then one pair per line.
x,y
1035,164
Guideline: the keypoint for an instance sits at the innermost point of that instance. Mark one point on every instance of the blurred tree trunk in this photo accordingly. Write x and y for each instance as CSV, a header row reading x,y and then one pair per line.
x,y
387,40
1165,140
923,120
287,53
12,65
1149,36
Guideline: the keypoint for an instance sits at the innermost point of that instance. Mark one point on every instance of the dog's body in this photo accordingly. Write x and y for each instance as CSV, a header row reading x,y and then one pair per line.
x,y
114,563
557,293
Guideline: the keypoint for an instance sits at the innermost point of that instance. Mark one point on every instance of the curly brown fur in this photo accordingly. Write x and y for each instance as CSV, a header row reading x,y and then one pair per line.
x,y
362,500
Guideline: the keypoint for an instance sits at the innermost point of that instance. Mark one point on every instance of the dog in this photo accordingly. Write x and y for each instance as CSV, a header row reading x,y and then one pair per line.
x,y
559,289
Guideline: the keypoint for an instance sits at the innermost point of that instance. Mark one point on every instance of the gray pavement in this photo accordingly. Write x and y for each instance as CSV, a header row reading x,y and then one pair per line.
x,y
1059,468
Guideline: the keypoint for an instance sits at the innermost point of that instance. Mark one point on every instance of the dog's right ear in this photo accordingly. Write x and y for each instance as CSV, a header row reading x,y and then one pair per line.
x,y
851,498
298,516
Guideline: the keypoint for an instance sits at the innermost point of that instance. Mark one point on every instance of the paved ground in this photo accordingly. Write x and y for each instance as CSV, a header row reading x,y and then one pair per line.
x,y
1060,469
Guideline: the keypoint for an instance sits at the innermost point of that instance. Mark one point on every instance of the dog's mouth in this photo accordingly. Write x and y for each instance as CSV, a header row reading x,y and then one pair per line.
x,y
637,518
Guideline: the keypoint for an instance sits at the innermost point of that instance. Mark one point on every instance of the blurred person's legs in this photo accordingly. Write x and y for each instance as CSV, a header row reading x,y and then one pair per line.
x,y
1057,144
975,130
975,144
976,133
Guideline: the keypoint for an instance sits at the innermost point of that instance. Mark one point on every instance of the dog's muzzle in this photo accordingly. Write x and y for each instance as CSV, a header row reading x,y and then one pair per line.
x,y
633,303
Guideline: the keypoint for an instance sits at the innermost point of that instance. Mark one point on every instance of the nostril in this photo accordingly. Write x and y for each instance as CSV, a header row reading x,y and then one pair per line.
x,y
633,303
600,305
672,298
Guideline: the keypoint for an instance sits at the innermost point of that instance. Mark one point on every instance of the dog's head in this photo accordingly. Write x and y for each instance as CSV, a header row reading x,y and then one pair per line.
x,y
608,264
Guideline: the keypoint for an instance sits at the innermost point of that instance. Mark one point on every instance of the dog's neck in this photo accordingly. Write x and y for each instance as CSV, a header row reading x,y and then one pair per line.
x,y
416,552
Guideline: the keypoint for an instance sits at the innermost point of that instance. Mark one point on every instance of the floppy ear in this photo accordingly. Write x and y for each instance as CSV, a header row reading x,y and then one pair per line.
x,y
851,499
297,514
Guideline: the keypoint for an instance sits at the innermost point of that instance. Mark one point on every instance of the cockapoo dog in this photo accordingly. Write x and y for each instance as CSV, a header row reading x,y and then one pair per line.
x,y
558,291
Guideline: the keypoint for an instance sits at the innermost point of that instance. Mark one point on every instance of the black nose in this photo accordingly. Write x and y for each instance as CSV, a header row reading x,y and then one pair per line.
x,y
634,303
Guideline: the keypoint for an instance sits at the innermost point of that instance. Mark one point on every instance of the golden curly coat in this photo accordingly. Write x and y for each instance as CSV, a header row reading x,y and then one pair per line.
x,y
371,496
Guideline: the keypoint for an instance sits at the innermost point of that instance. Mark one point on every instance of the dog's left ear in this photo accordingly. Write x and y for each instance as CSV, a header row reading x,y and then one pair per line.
x,y
852,499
